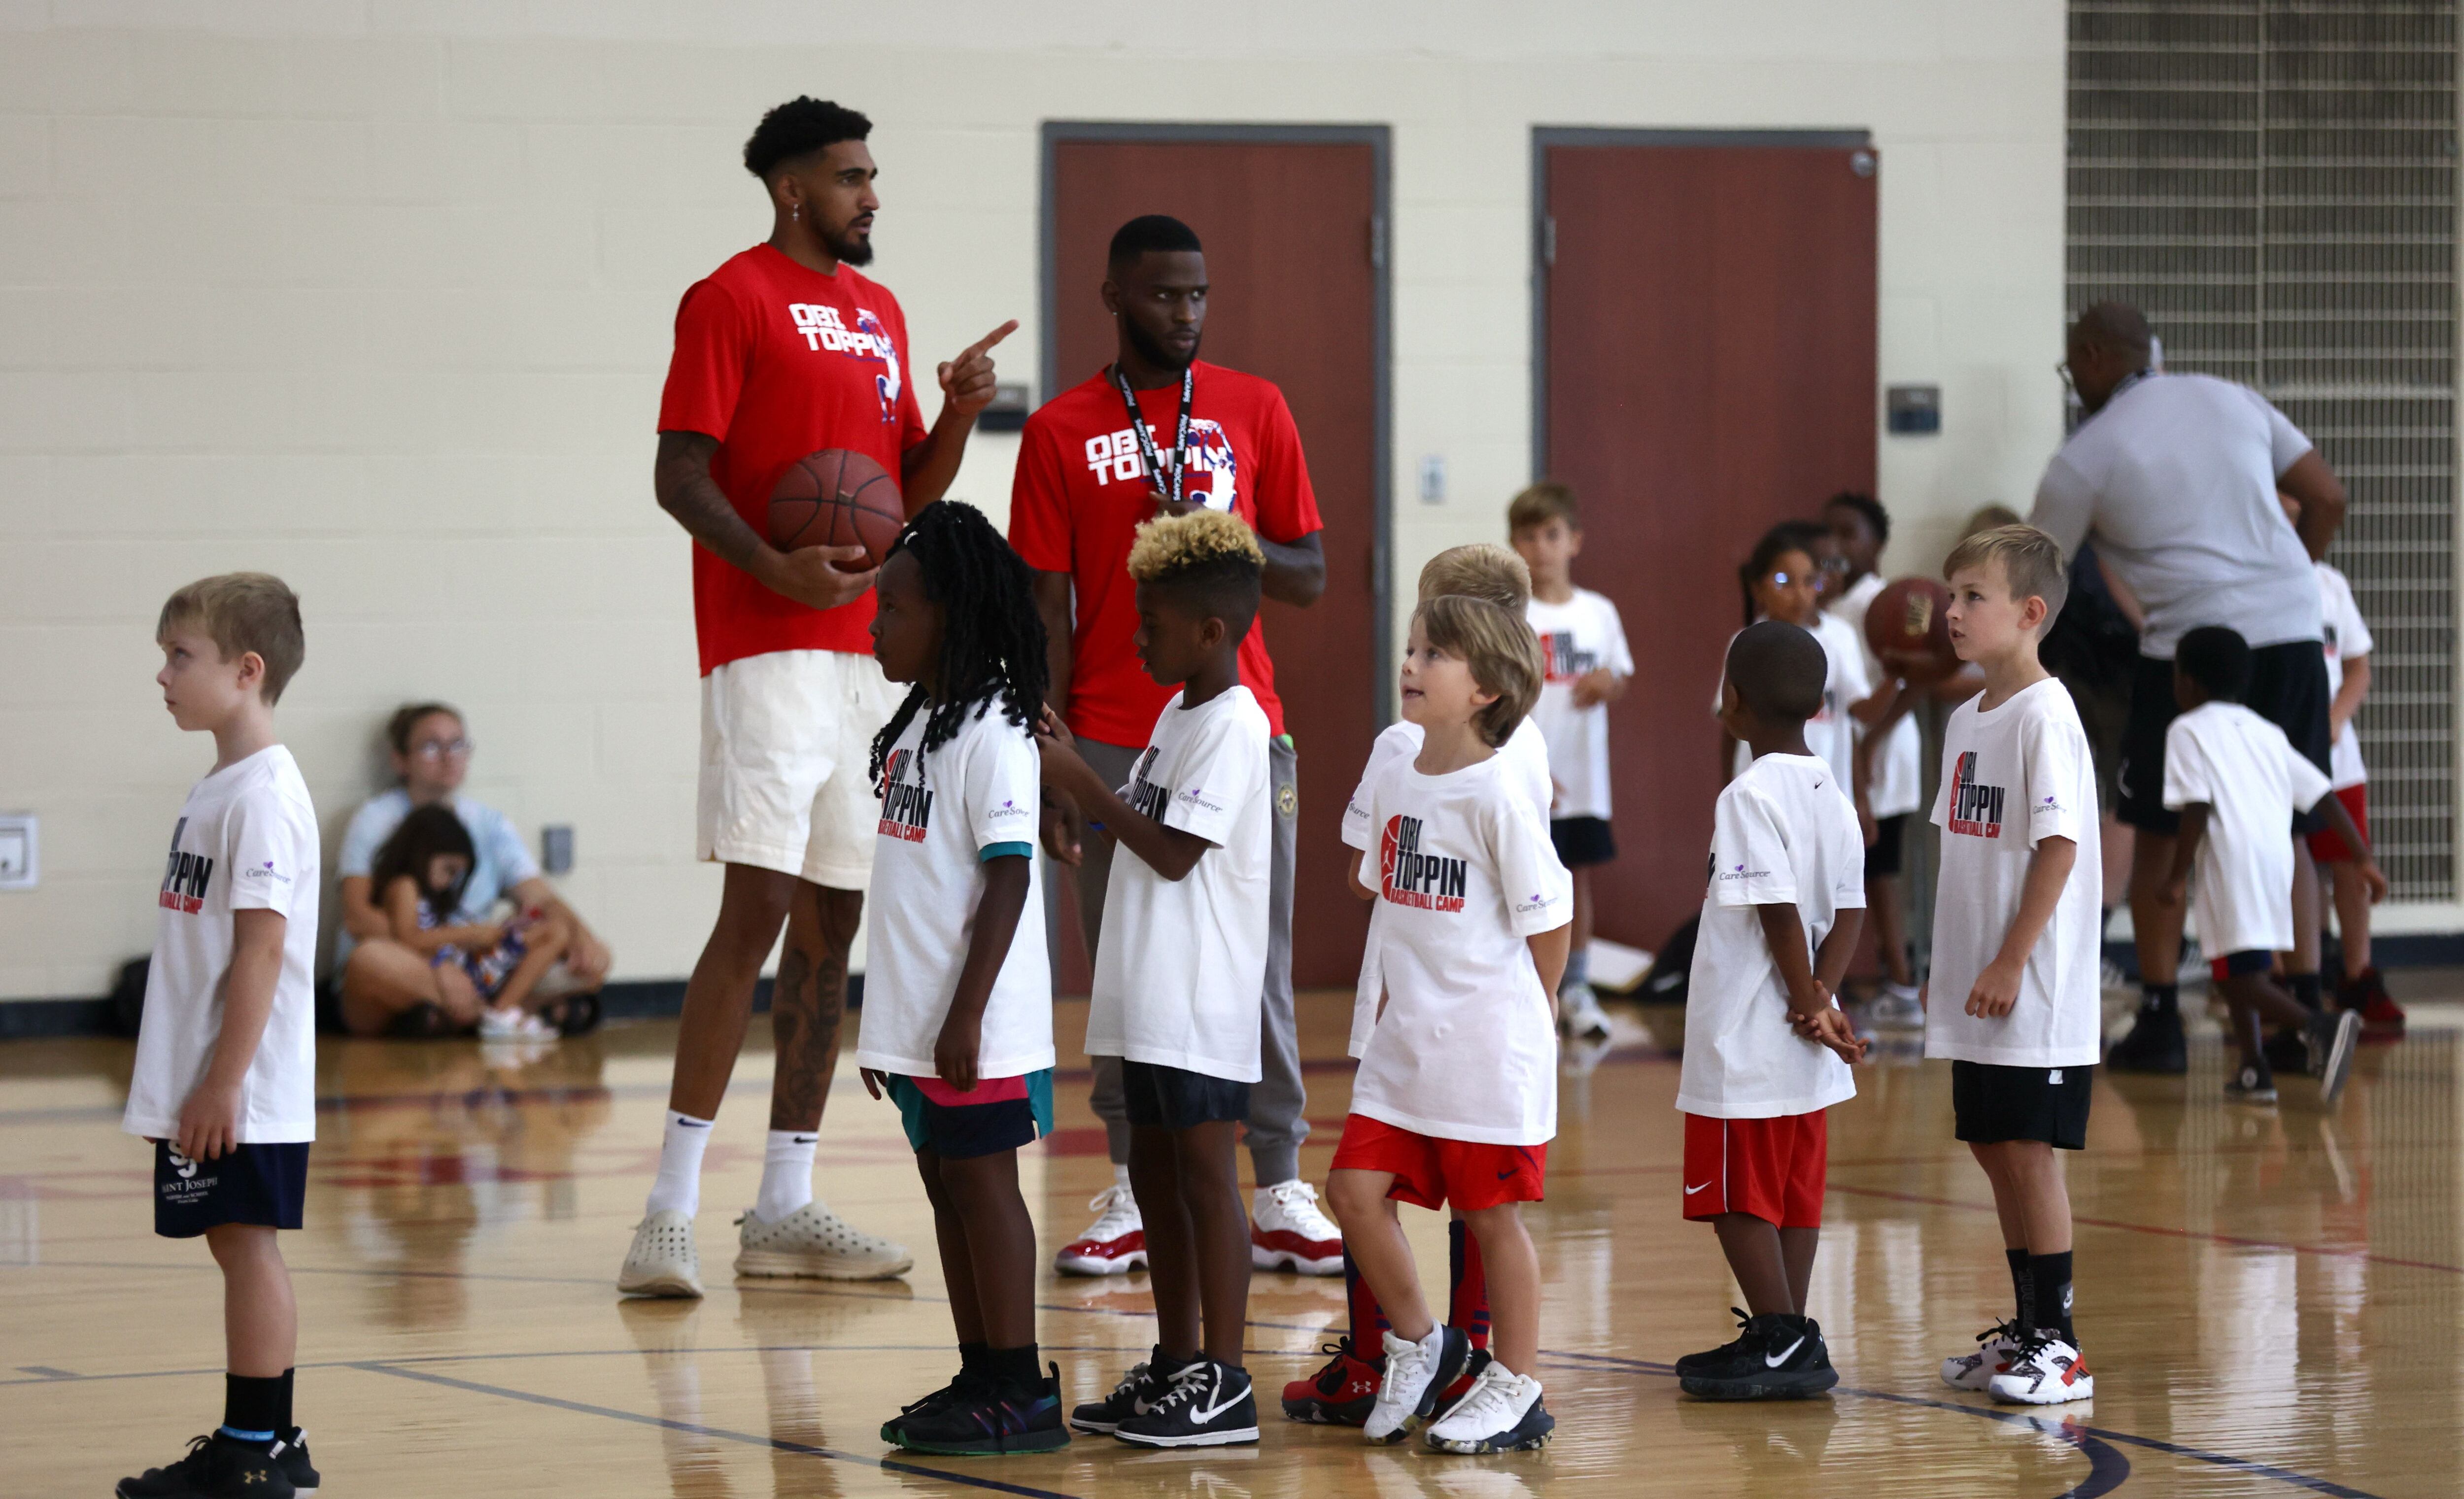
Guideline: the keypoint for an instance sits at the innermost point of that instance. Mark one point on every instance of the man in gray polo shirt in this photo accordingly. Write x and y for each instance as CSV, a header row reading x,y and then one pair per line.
x,y
2177,476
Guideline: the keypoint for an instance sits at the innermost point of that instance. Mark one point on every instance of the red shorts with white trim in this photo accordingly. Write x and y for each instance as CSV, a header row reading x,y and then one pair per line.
x,y
1773,1169
1434,1173
2326,845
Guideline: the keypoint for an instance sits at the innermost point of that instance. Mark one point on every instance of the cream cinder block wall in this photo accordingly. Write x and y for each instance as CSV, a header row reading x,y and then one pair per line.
x,y
376,295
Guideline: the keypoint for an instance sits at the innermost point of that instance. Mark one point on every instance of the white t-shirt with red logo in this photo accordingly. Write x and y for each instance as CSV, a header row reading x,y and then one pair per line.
x,y
2255,781
1465,875
246,841
1181,972
1526,757
1576,638
2011,777
1784,834
941,814
2345,636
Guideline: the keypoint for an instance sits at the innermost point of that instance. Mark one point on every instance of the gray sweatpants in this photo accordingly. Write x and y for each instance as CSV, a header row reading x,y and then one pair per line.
x,y
1278,1104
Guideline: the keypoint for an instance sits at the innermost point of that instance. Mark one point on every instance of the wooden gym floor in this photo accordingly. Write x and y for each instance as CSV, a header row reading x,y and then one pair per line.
x,y
2272,1300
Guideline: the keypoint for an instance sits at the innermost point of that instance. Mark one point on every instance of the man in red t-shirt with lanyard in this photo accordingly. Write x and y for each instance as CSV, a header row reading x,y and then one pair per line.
x,y
783,351
1158,433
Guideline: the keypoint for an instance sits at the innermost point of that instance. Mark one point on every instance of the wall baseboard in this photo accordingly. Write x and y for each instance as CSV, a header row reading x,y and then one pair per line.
x,y
631,999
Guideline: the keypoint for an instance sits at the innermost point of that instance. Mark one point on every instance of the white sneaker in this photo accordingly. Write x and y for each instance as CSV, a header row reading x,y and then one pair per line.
x,y
1415,1373
1500,1413
1895,1007
662,1261
1995,1349
2047,1372
513,1023
815,1244
1580,1013
1288,1231
1115,1244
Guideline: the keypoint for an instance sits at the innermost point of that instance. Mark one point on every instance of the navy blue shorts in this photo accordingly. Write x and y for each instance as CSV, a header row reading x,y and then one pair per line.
x,y
260,1185
1159,1097
998,1114
1581,841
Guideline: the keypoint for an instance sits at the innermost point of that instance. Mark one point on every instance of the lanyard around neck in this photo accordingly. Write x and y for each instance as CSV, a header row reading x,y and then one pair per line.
x,y
1146,440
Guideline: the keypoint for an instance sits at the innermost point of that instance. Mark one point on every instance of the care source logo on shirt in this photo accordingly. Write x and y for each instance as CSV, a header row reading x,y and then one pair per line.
x,y
1975,808
1114,456
1145,798
1566,660
825,331
906,805
1409,877
186,876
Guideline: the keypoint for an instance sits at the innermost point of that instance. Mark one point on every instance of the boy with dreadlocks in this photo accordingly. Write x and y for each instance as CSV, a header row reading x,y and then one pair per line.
x,y
958,1014
1177,980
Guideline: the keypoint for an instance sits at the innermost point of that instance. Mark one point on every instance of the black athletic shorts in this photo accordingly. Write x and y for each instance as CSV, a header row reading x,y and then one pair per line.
x,y
1160,1097
1582,841
1993,1104
2288,688
259,1184
1882,854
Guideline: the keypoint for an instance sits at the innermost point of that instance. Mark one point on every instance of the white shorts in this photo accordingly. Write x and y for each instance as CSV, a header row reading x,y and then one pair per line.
x,y
787,739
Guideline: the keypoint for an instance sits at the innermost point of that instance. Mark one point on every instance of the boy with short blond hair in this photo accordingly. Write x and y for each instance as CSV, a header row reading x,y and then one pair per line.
x,y
1583,641
225,1078
2014,997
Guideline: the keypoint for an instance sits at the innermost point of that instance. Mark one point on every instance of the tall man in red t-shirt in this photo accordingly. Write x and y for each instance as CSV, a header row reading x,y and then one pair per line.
x,y
1087,476
785,350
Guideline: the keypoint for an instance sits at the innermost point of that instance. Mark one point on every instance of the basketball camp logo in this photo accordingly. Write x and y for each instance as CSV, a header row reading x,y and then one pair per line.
x,y
1114,458
1410,878
185,877
1145,798
906,805
825,331
1975,808
1567,660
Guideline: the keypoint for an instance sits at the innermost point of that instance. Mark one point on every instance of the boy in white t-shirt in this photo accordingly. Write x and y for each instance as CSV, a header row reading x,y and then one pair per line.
x,y
1177,984
2238,783
1583,642
1456,1098
1766,1047
956,1026
2014,998
225,1082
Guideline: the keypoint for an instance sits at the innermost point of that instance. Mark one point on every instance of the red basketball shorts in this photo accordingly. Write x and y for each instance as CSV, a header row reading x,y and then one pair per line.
x,y
1773,1169
2326,845
1434,1173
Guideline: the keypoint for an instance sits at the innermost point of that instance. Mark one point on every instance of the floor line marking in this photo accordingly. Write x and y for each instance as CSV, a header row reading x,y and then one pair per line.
x,y
780,1443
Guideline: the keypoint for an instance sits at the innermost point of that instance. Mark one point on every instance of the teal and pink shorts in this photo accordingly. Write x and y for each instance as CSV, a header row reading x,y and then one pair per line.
x,y
998,1114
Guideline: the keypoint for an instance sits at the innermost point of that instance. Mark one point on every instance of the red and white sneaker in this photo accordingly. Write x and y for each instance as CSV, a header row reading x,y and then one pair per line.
x,y
1115,1244
1995,1347
1342,1394
1286,1231
2047,1372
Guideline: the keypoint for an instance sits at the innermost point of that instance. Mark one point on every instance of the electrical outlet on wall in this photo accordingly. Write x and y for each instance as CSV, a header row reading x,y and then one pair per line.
x,y
20,850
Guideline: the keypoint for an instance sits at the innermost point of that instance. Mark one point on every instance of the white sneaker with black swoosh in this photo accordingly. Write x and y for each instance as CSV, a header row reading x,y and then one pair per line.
x,y
1208,1405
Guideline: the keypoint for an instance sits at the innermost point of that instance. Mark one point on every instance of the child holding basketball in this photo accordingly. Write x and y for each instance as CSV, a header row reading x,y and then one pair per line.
x,y
957,1013
2012,1001
225,1082
1456,1098
1782,579
1766,1047
1177,981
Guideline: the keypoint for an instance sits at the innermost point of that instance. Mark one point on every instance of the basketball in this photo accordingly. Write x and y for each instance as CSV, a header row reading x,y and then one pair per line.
x,y
1911,614
836,498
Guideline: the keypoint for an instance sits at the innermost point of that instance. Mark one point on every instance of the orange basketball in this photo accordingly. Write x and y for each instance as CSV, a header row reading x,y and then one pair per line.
x,y
1912,614
835,497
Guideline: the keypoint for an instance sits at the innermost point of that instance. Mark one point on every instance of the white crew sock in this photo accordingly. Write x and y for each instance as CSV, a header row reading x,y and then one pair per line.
x,y
679,1187
786,1173
1121,1176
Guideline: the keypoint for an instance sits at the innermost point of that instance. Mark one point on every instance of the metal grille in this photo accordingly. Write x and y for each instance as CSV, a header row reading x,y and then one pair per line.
x,y
2274,183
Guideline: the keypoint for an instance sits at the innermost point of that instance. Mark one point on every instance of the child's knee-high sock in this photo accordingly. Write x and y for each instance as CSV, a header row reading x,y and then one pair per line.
x,y
1368,1325
1467,1292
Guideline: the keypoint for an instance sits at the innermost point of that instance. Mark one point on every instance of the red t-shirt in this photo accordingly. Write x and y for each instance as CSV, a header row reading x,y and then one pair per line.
x,y
776,361
1081,491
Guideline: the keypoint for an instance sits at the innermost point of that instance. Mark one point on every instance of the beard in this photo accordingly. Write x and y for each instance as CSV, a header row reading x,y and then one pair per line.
x,y
1145,346
848,248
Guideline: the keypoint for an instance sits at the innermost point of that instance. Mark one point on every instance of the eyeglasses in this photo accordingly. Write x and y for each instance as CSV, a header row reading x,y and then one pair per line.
x,y
439,749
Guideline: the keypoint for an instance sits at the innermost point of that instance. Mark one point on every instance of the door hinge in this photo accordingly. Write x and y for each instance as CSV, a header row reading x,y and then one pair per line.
x,y
1548,239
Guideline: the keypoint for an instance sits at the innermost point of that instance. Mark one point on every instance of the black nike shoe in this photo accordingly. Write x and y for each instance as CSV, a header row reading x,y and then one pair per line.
x,y
964,1385
1724,1351
2332,1039
291,1455
216,1468
1140,1391
990,1417
1780,1358
2253,1083
2154,1044
1208,1405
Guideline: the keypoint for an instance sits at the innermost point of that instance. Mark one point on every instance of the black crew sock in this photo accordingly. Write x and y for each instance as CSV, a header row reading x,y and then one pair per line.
x,y
2020,1284
2305,988
2052,1275
974,1357
284,1425
1018,1365
252,1408
2160,999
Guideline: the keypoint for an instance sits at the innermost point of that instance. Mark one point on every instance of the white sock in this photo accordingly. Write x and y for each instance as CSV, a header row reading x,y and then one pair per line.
x,y
679,1187
786,1173
1121,1177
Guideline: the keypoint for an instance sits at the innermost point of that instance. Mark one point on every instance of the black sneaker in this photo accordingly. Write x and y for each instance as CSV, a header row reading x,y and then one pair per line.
x,y
959,1389
291,1455
1724,1351
1209,1405
1780,1358
2288,1050
988,1417
1140,1390
2154,1044
216,1468
2332,1039
2253,1082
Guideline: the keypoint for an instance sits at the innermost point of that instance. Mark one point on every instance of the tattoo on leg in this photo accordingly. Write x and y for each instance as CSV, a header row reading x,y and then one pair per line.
x,y
806,1005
